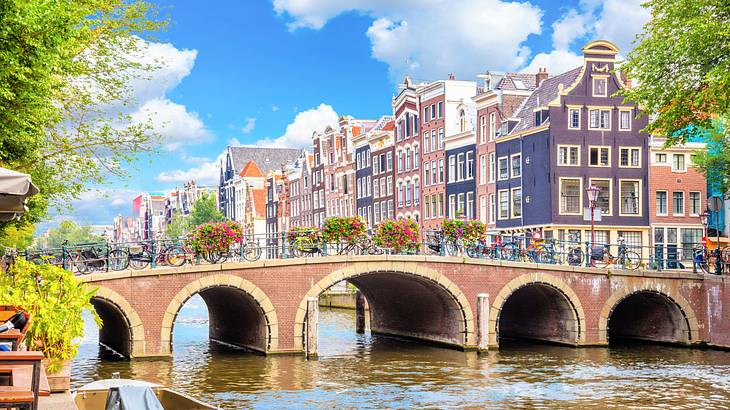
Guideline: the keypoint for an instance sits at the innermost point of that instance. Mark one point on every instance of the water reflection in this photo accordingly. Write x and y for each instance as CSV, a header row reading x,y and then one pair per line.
x,y
367,371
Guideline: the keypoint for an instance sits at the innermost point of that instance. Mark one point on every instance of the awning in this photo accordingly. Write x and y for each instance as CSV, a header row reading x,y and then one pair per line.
x,y
15,188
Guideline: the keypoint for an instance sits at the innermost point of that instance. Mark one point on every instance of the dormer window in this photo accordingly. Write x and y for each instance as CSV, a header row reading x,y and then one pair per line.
x,y
462,120
599,87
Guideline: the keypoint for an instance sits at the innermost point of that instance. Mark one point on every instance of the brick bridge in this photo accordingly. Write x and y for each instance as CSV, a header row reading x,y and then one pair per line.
x,y
463,303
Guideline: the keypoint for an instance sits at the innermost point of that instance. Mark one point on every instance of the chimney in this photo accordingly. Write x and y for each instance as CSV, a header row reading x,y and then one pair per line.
x,y
452,76
541,76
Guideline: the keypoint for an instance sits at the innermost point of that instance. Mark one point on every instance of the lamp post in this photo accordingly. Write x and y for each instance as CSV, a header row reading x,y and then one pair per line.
x,y
592,192
703,220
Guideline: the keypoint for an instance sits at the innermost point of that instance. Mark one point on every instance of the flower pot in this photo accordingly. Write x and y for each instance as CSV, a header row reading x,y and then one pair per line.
x,y
61,380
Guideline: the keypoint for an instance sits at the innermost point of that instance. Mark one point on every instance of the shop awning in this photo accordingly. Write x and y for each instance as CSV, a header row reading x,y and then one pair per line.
x,y
15,188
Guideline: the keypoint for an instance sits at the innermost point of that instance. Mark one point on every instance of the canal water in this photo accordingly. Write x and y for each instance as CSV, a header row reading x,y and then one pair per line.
x,y
365,371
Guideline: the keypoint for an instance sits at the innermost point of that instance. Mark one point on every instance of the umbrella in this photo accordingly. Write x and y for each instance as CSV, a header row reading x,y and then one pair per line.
x,y
15,188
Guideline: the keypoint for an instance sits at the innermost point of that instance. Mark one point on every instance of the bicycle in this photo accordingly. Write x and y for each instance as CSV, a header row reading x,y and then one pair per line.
x,y
537,251
142,257
303,246
706,259
573,254
601,257
437,244
360,246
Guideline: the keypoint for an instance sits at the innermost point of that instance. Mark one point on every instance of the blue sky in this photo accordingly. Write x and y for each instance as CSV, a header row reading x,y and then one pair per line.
x,y
270,72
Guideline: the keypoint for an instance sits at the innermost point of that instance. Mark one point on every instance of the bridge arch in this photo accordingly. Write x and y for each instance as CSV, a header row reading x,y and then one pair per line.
x,y
446,302
122,329
555,310
230,299
649,312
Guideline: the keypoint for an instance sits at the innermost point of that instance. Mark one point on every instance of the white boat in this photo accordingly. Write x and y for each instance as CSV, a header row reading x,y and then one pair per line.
x,y
93,396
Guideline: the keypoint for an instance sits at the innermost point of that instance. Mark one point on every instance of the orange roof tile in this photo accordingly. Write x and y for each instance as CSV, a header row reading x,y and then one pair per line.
x,y
251,170
389,126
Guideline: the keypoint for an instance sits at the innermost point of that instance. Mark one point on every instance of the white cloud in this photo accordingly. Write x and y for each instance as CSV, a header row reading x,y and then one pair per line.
x,y
620,21
274,108
207,173
298,134
430,38
173,122
572,26
250,124
556,62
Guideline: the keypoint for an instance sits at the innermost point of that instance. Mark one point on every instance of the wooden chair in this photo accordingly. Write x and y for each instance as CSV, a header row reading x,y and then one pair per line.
x,y
14,336
24,378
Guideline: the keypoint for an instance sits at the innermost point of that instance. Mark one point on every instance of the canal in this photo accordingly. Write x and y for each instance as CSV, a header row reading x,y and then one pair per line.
x,y
365,371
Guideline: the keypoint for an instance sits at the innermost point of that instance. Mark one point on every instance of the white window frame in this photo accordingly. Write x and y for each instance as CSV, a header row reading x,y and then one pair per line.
x,y
656,203
492,166
492,208
499,202
610,194
492,126
603,78
599,147
570,117
639,197
620,124
512,202
580,195
511,168
684,161
600,110
499,175
568,147
483,129
674,211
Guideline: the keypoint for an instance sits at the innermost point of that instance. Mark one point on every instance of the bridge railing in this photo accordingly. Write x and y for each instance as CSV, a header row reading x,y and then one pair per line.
x,y
88,258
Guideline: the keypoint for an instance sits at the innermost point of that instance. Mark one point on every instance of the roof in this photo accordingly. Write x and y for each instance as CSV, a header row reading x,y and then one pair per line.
x,y
546,92
259,201
517,81
389,126
251,170
267,159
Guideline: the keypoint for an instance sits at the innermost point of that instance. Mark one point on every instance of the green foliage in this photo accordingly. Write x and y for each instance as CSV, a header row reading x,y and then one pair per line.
x,y
18,236
682,64
55,299
313,234
71,231
343,229
215,236
400,235
467,231
65,85
204,211
177,228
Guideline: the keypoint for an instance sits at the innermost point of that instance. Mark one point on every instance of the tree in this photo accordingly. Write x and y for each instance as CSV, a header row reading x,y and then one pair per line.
x,y
18,236
682,64
73,232
177,227
65,82
204,210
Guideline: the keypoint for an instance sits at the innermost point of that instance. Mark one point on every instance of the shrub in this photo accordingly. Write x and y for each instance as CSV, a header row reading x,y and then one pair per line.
x,y
215,236
343,229
400,235
55,299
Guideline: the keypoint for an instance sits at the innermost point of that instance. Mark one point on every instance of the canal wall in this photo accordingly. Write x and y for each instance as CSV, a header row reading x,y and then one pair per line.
x,y
339,300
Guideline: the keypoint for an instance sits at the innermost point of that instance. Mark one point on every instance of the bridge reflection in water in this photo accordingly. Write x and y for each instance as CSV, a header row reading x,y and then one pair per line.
x,y
372,371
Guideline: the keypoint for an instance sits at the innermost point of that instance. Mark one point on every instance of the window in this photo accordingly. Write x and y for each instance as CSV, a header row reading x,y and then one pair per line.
x,y
694,203
599,119
441,170
441,138
629,157
470,205
376,189
661,203
441,109
568,155
482,169
599,87
570,195
470,165
660,158
503,204
492,208
630,200
416,191
399,156
483,129
425,142
452,169
574,118
492,166
433,110
400,194
375,167
599,156
483,208
462,121
433,140
426,174
390,161
452,206
425,114
460,167
390,185
678,203
433,172
492,126
503,168
441,205
382,186
408,159
516,202
603,202
516,160
624,120
416,159
678,164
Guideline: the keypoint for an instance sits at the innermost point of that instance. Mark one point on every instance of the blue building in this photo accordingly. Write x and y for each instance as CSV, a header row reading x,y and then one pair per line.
x,y
460,185
363,179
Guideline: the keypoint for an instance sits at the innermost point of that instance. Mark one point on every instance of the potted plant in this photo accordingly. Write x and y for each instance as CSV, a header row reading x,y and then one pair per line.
x,y
343,229
55,299
399,235
212,239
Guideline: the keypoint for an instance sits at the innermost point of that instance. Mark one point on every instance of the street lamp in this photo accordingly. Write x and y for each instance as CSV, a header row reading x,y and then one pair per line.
x,y
592,192
704,216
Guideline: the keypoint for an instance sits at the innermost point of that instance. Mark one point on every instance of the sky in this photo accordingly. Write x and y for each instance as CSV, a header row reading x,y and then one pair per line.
x,y
269,73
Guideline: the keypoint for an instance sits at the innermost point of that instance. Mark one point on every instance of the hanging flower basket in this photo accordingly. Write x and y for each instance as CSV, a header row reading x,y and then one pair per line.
x,y
399,235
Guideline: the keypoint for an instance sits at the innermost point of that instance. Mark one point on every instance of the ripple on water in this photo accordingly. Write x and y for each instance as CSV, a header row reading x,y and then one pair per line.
x,y
365,371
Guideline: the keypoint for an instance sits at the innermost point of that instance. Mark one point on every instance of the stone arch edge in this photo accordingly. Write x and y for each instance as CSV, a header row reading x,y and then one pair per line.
x,y
219,280
618,296
136,328
536,278
362,268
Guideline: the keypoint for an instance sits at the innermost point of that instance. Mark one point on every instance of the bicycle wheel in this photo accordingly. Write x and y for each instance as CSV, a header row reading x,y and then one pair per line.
x,y
211,256
140,260
175,256
541,254
473,251
508,252
602,262
575,257
118,260
631,260
451,249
